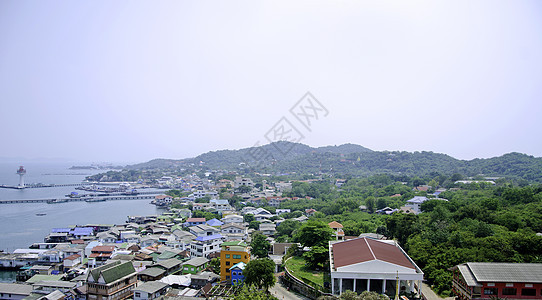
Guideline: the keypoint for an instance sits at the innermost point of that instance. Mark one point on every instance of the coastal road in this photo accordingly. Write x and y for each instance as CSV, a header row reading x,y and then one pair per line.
x,y
282,294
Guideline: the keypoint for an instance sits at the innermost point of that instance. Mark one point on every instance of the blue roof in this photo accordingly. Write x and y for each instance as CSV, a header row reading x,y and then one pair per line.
x,y
209,237
215,222
58,230
82,231
240,265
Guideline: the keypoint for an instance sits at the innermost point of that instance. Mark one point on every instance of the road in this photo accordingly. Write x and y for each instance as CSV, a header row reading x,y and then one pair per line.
x,y
282,294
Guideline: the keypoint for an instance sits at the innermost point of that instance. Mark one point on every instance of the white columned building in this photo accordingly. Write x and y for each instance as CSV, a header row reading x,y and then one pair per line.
x,y
365,264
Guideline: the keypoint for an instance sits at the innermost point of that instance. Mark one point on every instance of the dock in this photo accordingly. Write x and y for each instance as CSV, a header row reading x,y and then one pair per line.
x,y
90,199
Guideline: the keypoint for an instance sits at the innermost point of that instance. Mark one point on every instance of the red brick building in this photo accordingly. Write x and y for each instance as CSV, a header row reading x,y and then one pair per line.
x,y
503,280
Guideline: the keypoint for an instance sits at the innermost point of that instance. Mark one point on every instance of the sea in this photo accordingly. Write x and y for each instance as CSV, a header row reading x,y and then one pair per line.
x,y
20,227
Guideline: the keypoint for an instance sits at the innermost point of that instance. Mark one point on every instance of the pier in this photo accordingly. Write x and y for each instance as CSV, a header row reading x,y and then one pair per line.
x,y
87,199
39,185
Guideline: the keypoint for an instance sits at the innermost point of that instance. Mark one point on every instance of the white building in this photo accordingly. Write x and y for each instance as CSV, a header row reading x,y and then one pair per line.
x,y
150,290
233,219
202,246
366,264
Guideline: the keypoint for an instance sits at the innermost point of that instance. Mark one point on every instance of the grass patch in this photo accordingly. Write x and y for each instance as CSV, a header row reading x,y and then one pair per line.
x,y
297,266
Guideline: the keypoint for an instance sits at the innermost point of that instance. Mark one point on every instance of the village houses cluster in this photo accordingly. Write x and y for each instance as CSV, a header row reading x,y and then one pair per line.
x,y
170,255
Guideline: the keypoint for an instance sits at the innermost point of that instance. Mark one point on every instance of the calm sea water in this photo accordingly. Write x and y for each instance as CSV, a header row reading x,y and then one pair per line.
x,y
19,225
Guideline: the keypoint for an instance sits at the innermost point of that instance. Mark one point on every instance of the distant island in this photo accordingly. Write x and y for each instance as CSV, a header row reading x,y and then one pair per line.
x,y
97,167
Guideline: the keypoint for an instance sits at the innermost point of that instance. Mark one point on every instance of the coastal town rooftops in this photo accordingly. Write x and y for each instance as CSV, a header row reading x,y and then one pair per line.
x,y
169,263
209,237
15,289
103,249
476,272
195,220
151,287
56,283
197,261
111,272
152,272
362,250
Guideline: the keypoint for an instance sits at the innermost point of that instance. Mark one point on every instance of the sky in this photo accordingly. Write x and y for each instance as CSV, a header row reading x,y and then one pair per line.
x,y
129,81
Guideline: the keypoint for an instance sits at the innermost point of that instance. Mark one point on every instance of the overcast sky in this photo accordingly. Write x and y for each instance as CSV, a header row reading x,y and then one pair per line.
x,y
129,81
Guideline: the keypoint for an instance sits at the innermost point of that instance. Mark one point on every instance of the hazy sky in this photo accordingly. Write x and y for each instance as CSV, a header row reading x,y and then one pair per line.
x,y
136,80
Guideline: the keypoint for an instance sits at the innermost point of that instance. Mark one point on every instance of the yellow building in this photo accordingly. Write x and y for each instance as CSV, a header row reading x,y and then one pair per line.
x,y
230,254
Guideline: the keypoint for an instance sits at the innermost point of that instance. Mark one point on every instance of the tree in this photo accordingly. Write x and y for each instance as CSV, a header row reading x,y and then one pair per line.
x,y
287,227
260,272
215,265
260,245
248,218
243,189
250,292
313,233
316,257
254,225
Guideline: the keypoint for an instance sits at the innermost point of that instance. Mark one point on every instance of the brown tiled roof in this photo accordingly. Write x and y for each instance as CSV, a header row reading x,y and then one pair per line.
x,y
363,249
103,249
335,224
72,257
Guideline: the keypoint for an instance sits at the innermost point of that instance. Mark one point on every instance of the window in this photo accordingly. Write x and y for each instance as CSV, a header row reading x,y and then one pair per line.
x,y
227,277
528,292
227,256
137,294
236,256
234,281
509,291
227,263
491,291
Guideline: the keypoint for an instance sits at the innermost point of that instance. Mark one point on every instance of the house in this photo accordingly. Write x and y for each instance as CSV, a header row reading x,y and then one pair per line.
x,y
195,265
268,229
232,253
497,280
233,219
163,200
112,281
100,254
310,212
232,229
72,261
237,273
107,237
151,274
386,211
14,291
150,290
214,223
239,181
281,211
362,264
47,287
220,205
416,203
203,246
194,221
203,230
171,266
202,279
337,230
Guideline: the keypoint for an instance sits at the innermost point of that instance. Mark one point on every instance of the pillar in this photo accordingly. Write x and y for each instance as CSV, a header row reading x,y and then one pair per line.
x,y
340,286
368,284
383,286
354,285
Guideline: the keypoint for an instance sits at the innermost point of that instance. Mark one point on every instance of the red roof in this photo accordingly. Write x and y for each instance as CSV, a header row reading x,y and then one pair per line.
x,y
363,250
335,224
94,255
194,220
103,249
72,257
78,242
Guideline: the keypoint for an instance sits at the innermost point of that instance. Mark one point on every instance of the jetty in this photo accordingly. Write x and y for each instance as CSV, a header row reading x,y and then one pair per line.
x,y
86,199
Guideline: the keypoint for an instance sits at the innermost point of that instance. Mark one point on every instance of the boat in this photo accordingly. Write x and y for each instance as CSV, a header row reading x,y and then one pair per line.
x,y
40,214
54,201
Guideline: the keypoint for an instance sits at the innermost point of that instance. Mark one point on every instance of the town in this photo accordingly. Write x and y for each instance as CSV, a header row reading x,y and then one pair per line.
x,y
221,233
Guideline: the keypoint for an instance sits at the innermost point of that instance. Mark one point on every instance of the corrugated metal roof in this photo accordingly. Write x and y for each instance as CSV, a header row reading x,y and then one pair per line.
x,y
506,272
468,276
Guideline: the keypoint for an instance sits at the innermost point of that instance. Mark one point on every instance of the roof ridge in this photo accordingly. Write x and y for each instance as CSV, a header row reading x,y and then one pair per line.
x,y
370,249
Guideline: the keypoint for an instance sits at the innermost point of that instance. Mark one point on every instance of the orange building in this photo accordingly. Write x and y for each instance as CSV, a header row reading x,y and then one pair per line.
x,y
230,254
